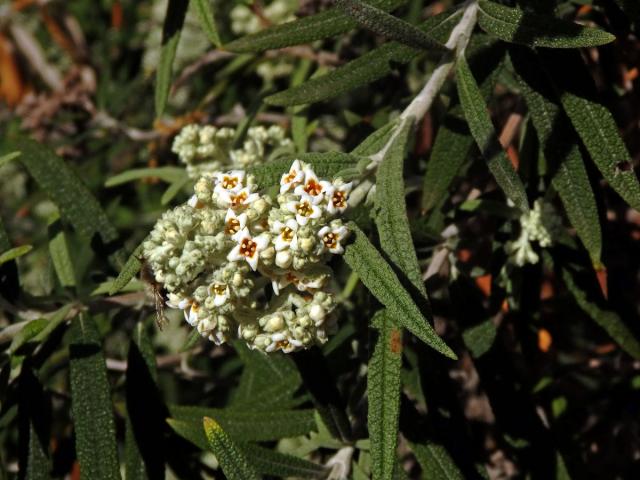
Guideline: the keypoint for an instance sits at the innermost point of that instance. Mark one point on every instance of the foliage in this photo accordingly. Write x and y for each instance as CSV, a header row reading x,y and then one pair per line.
x,y
481,293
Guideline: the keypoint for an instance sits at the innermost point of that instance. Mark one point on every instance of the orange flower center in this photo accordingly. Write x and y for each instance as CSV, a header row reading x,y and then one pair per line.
x,y
229,182
291,177
339,199
248,247
330,240
239,199
232,226
313,188
287,234
219,289
304,209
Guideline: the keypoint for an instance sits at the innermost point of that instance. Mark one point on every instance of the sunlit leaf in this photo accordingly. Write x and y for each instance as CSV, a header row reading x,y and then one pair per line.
x,y
234,464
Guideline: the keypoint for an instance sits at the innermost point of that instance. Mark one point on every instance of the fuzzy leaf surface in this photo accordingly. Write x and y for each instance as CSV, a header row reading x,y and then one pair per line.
x,y
516,26
233,462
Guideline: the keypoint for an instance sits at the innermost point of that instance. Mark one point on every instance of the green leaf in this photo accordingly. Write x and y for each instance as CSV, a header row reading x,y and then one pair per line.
x,y
383,386
8,157
91,405
480,338
268,462
246,425
129,271
173,22
594,123
483,132
34,414
607,319
233,462
166,174
304,30
371,66
63,186
326,165
516,26
5,243
14,253
559,145
205,14
60,257
436,462
174,189
378,276
376,141
391,212
393,28
28,332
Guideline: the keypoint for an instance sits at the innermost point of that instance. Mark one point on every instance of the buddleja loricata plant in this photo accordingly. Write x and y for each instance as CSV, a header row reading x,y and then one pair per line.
x,y
333,303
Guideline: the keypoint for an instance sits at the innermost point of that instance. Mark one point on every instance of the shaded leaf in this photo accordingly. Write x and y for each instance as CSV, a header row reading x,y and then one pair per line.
x,y
378,276
129,271
483,132
383,386
368,68
173,22
205,14
233,462
325,24
63,186
516,26
479,338
389,26
436,462
91,406
60,257
34,416
245,425
166,174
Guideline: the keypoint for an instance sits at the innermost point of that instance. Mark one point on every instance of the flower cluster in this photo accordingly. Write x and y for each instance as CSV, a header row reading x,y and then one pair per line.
x,y
537,225
208,149
243,265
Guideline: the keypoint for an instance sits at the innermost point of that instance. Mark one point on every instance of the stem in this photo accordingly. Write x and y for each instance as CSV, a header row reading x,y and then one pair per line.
x,y
458,41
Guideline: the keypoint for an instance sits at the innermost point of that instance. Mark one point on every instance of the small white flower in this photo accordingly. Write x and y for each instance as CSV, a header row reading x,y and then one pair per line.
x,y
293,178
232,181
312,187
338,198
331,238
194,202
286,234
237,200
234,223
192,316
220,293
282,281
248,248
304,209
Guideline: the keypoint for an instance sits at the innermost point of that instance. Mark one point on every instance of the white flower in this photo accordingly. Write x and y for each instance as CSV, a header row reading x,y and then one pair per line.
x,y
182,303
331,238
312,187
220,293
293,178
248,248
194,202
305,209
303,283
237,200
234,223
192,316
286,234
338,198
232,181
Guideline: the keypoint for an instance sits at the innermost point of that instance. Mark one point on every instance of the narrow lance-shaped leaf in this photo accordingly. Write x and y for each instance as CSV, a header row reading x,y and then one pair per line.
x,y
368,68
436,462
91,406
264,460
393,28
246,425
607,319
34,416
233,462
594,123
63,186
383,387
304,30
173,22
14,253
166,174
129,270
60,256
516,26
204,12
378,276
559,145
483,132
